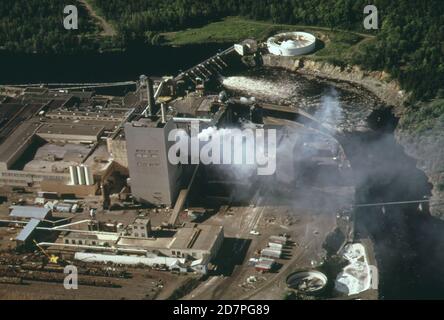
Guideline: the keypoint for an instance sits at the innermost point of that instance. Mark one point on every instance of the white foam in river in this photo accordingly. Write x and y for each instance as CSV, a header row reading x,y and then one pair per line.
x,y
259,86
357,276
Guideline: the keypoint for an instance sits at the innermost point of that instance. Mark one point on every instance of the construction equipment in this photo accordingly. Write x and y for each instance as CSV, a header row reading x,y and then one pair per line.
x,y
52,258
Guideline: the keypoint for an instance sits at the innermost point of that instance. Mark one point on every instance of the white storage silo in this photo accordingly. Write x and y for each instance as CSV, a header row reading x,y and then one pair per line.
x,y
89,179
73,175
81,175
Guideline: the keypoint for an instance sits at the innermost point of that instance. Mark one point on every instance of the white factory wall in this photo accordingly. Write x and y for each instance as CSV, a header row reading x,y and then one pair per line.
x,y
129,260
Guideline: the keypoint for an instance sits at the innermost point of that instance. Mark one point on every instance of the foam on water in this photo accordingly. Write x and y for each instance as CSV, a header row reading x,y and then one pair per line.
x,y
328,106
260,87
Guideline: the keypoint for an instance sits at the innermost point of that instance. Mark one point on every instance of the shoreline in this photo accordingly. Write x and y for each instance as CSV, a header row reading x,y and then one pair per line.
x,y
388,91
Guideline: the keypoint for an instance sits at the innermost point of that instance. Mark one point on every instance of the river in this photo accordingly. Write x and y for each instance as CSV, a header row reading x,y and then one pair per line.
x,y
102,67
408,242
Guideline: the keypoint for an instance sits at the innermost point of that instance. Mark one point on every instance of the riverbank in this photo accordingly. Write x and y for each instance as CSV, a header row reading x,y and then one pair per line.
x,y
425,146
407,239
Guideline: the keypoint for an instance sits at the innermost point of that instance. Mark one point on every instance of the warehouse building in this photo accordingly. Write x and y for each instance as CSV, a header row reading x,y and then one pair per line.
x,y
34,216
47,135
193,241
194,245
70,133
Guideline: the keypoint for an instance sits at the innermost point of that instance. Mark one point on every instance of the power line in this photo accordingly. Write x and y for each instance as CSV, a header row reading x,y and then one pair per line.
x,y
394,203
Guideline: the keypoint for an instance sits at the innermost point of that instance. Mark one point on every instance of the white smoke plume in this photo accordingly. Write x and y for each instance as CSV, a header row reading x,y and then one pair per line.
x,y
330,113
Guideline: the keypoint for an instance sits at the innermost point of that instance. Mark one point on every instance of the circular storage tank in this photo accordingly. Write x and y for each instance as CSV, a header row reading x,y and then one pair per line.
x,y
309,282
291,44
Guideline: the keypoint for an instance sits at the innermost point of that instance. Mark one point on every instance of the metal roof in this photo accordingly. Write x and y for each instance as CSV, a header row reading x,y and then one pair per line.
x,y
29,212
28,229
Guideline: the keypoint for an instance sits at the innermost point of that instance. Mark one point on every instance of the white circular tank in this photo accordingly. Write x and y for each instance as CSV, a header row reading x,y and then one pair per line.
x,y
307,281
290,44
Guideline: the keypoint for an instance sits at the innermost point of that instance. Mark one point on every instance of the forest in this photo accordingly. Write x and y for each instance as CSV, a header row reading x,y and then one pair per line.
x,y
37,26
408,44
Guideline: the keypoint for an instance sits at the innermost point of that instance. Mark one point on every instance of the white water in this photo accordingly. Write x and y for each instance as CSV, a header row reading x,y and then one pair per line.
x,y
329,110
260,87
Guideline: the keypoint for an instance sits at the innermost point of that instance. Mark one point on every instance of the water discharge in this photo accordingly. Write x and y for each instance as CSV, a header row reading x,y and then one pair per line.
x,y
407,240
341,107
260,87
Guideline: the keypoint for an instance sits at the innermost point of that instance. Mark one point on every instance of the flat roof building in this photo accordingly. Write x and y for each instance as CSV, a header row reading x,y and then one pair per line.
x,y
195,241
29,212
70,132
35,214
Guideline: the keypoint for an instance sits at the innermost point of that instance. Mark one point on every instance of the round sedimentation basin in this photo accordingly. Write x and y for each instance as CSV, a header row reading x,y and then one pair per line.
x,y
291,44
309,282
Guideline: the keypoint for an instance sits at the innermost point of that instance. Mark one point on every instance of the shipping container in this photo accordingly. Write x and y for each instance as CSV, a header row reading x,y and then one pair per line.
x,y
264,265
271,253
279,240
275,245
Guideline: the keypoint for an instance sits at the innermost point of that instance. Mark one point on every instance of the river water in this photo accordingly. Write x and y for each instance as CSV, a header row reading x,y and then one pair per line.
x,y
408,241
102,67
343,107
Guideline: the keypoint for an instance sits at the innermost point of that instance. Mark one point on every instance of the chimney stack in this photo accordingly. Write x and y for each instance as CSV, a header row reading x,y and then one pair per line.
x,y
162,109
150,93
142,81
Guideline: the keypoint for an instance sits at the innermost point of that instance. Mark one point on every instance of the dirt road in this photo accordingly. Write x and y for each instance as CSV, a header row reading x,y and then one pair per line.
x,y
108,29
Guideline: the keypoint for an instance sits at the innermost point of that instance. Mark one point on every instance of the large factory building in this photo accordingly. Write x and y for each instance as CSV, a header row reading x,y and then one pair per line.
x,y
54,140
153,178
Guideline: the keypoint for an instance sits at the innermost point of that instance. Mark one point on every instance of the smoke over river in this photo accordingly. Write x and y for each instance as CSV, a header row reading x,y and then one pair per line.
x,y
408,242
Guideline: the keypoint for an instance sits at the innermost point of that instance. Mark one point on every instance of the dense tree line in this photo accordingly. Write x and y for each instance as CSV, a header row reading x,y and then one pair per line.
x,y
37,26
409,43
166,15
410,46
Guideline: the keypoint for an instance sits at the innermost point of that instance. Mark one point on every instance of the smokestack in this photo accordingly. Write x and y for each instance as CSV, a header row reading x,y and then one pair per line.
x,y
142,81
150,92
162,109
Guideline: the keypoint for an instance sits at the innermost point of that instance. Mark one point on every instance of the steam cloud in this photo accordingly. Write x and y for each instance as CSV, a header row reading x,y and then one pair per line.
x,y
408,243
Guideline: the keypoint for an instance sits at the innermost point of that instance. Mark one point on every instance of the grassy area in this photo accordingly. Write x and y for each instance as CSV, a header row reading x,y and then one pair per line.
x,y
339,46
335,46
230,29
